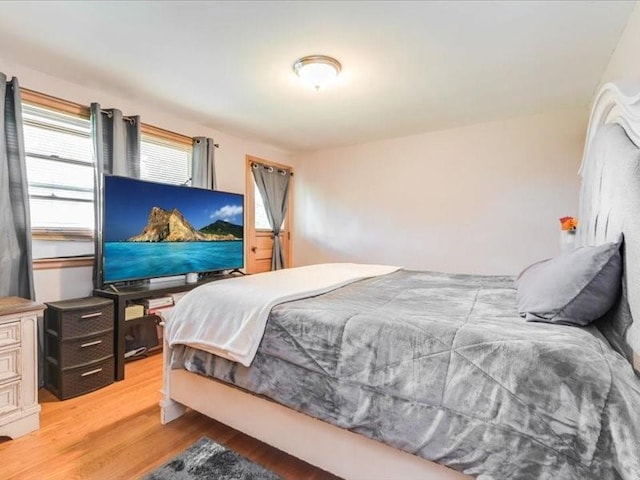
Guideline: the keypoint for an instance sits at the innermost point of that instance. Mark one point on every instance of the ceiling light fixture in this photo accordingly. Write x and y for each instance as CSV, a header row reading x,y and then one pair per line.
x,y
317,70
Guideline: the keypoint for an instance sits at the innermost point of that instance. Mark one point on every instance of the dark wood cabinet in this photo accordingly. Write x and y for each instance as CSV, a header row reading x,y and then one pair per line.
x,y
125,296
79,346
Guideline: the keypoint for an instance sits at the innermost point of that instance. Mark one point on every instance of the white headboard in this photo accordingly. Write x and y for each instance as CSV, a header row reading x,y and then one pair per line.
x,y
610,203
615,103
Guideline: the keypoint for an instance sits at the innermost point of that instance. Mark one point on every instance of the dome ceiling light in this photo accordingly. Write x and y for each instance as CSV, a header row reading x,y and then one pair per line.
x,y
317,70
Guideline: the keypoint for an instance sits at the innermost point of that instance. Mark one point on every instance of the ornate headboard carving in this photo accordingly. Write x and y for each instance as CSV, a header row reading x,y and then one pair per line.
x,y
610,203
615,103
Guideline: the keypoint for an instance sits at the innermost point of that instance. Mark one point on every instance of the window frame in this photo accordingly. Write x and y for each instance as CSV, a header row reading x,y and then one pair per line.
x,y
49,102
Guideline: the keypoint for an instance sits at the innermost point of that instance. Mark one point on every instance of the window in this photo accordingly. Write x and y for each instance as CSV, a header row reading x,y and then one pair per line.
x,y
165,161
59,155
262,221
60,164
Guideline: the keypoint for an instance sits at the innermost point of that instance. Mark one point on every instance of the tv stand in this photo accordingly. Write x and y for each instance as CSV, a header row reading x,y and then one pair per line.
x,y
237,270
125,294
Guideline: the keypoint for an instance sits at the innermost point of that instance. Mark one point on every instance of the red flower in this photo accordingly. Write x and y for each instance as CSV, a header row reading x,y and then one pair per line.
x,y
568,223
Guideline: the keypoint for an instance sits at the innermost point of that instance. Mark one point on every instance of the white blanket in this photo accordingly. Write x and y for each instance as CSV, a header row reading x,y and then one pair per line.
x,y
228,317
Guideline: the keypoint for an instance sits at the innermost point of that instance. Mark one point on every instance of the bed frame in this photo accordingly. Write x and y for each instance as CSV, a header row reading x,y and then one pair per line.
x,y
616,103
344,453
341,452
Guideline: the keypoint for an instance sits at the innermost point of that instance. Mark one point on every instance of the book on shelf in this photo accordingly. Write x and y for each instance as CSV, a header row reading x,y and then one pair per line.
x,y
156,302
177,297
159,310
133,311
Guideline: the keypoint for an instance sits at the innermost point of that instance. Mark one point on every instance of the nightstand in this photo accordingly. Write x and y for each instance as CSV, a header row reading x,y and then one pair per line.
x,y
79,345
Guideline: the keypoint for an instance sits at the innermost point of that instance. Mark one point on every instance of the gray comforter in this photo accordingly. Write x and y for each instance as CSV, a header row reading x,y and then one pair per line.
x,y
441,366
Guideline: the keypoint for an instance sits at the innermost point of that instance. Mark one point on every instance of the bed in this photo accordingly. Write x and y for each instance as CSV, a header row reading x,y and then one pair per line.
x,y
429,375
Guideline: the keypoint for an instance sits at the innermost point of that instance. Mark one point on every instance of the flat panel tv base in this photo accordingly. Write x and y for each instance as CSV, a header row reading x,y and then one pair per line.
x,y
124,295
236,270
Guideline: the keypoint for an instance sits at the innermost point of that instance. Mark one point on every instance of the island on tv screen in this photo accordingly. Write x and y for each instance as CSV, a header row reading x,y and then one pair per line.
x,y
155,230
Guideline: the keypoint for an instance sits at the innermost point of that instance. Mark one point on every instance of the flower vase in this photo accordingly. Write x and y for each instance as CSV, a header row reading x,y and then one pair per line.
x,y
567,240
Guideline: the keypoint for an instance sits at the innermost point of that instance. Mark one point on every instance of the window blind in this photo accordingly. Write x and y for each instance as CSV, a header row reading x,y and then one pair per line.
x,y
165,161
59,156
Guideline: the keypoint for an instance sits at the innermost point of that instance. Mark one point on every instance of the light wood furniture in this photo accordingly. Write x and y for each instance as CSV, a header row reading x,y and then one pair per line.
x,y
19,409
78,346
114,434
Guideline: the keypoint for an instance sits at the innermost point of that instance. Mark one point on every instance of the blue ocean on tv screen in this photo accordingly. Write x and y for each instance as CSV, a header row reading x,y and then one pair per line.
x,y
158,230
133,260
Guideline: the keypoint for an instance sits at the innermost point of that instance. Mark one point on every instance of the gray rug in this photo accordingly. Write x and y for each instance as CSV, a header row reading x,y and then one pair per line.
x,y
206,460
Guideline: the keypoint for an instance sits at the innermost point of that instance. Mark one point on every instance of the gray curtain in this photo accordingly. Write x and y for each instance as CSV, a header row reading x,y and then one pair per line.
x,y
116,148
203,171
16,273
116,141
273,185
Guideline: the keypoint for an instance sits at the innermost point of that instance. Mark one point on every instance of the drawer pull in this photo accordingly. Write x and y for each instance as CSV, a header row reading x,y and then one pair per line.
x,y
91,344
91,372
91,315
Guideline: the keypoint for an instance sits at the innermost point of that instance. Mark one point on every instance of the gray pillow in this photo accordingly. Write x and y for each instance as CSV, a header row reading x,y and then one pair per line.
x,y
574,288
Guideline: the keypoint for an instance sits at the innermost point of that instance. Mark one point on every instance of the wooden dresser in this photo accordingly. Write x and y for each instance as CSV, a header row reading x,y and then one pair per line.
x,y
78,346
19,409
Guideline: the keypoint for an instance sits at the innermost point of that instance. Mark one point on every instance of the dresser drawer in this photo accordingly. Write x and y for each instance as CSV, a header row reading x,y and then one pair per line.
x,y
9,365
9,334
9,398
79,380
78,318
81,323
85,349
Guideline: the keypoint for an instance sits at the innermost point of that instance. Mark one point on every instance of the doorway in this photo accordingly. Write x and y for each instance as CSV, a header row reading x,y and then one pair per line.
x,y
259,234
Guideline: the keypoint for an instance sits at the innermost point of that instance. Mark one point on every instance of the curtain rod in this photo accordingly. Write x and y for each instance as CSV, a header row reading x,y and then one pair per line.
x,y
109,114
270,168
215,145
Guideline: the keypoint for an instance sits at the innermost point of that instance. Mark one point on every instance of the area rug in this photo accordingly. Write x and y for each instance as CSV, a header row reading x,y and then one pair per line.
x,y
206,460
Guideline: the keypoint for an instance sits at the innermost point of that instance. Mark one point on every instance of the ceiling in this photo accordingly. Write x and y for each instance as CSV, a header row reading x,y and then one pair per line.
x,y
408,67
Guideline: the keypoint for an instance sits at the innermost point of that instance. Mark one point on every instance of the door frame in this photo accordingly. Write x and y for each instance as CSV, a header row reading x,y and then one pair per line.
x,y
249,208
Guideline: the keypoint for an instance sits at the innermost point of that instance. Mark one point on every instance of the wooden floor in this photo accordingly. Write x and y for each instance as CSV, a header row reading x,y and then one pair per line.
x,y
115,433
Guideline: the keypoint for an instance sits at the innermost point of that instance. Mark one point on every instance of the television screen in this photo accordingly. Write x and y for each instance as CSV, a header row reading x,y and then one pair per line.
x,y
156,230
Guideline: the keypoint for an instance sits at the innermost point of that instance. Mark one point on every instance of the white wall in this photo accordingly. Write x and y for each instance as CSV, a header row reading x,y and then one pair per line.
x,y
62,283
230,165
624,64
485,198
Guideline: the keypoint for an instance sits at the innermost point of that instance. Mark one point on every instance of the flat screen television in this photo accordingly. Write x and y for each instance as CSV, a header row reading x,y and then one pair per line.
x,y
154,230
